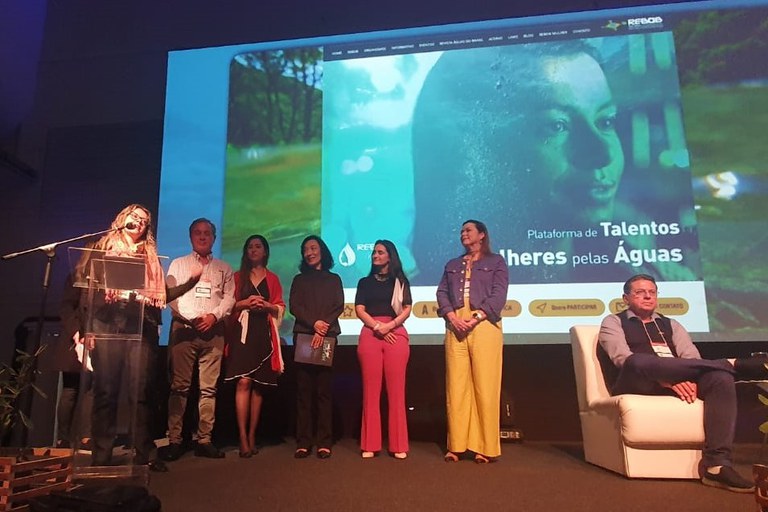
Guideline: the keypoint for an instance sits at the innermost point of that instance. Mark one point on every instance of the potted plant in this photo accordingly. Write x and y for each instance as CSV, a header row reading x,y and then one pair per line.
x,y
15,381
26,472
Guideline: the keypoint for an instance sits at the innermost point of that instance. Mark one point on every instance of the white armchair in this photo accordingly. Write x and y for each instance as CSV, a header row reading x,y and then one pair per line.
x,y
636,435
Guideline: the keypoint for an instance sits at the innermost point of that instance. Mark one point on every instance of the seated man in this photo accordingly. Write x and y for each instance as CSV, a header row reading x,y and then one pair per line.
x,y
655,356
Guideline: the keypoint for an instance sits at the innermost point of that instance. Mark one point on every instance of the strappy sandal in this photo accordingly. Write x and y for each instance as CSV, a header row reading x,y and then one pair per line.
x,y
451,457
482,459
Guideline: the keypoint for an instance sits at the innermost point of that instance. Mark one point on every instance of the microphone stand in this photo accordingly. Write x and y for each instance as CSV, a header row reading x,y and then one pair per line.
x,y
25,401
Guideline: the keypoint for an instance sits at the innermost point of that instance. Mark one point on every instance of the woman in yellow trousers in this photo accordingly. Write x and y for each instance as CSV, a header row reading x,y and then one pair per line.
x,y
470,297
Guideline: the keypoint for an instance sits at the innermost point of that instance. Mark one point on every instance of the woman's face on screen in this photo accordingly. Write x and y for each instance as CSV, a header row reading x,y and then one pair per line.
x,y
574,157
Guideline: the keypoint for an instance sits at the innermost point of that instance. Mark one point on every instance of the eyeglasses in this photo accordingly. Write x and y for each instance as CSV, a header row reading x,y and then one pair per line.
x,y
144,221
643,293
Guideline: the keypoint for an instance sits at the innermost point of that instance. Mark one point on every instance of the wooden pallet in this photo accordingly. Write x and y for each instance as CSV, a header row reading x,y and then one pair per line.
x,y
25,474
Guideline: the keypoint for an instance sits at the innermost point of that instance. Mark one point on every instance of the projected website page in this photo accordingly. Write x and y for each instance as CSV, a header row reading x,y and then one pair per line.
x,y
594,146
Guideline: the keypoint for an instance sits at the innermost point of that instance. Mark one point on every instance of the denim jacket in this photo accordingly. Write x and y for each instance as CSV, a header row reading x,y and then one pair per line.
x,y
487,291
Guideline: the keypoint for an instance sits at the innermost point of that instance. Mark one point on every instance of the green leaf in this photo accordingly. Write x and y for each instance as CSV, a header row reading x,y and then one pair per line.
x,y
763,399
39,391
763,428
25,420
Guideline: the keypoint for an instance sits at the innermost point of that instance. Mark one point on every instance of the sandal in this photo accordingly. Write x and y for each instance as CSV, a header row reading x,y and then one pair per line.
x,y
482,459
451,457
301,453
400,455
368,455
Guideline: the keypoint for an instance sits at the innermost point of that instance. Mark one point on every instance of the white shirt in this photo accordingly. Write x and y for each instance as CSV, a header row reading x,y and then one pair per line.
x,y
214,293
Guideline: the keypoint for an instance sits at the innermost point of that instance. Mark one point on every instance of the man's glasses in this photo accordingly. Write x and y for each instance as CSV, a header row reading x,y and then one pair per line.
x,y
643,293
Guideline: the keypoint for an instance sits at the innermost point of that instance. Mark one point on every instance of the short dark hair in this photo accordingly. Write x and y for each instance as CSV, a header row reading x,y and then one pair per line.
x,y
326,260
638,277
207,221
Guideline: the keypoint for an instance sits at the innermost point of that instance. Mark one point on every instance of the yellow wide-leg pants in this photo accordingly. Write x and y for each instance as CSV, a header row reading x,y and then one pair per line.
x,y
473,388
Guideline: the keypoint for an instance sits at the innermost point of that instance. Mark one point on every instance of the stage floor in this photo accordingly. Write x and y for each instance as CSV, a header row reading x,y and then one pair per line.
x,y
533,476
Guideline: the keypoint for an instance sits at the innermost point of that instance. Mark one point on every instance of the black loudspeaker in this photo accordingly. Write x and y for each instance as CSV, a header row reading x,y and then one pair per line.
x,y
508,432
43,409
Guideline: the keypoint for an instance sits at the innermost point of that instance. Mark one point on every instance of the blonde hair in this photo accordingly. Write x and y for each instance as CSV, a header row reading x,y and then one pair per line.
x,y
115,240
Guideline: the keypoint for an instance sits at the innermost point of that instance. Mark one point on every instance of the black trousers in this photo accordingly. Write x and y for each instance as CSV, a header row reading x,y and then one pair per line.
x,y
642,373
314,386
73,413
116,362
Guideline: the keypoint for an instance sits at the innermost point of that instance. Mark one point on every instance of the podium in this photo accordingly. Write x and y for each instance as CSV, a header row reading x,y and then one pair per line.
x,y
120,350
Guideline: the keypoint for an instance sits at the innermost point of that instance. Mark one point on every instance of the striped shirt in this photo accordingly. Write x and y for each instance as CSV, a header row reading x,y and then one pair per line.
x,y
214,293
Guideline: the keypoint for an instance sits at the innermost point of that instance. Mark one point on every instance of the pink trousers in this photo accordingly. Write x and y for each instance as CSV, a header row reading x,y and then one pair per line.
x,y
379,359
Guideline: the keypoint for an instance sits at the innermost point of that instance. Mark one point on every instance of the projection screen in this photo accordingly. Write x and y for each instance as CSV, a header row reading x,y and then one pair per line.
x,y
594,146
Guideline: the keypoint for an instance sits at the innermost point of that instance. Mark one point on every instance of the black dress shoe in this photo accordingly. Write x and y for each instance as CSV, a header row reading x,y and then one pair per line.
x,y
751,368
157,466
727,478
209,451
301,453
171,452
323,453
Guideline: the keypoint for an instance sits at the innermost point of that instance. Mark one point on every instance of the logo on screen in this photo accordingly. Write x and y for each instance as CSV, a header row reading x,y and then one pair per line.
x,y
638,22
614,25
347,256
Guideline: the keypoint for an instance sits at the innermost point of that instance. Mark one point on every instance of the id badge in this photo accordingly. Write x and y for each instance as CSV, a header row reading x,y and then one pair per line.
x,y
203,290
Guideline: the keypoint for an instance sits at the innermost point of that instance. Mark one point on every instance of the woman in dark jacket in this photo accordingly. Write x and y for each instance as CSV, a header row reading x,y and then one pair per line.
x,y
316,301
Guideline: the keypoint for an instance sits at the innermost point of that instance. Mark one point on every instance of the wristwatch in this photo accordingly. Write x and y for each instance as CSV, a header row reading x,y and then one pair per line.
x,y
477,315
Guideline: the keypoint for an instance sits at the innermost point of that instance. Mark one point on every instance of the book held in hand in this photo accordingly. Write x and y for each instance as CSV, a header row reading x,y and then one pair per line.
x,y
322,355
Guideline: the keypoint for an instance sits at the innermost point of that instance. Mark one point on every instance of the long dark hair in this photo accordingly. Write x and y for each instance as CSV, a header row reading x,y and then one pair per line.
x,y
245,263
326,260
485,244
395,265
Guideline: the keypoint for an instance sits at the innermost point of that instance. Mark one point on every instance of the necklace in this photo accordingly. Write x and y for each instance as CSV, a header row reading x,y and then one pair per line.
x,y
381,277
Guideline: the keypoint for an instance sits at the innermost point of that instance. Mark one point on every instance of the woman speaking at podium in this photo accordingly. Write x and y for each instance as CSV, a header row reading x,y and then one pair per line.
x,y
115,311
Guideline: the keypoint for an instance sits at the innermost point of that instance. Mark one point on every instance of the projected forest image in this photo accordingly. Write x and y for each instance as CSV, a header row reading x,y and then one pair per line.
x,y
725,105
273,166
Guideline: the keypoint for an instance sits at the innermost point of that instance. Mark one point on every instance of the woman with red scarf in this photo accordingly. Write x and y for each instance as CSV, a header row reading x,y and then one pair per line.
x,y
253,355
